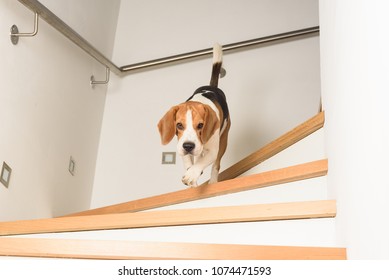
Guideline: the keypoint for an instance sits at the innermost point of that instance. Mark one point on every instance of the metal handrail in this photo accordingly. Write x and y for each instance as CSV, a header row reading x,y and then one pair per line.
x,y
226,48
68,32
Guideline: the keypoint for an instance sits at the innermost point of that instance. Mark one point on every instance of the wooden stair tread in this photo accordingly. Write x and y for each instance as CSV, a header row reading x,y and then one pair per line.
x,y
117,216
281,143
271,149
213,215
265,179
122,250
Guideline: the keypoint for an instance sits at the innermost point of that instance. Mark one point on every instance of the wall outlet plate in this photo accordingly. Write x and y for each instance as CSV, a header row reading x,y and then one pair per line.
x,y
72,166
168,158
5,174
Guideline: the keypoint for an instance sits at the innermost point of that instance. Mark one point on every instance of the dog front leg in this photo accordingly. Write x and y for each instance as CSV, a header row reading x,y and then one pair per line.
x,y
193,173
188,161
215,172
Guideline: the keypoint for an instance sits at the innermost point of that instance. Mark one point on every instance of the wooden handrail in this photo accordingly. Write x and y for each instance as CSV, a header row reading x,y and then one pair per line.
x,y
200,216
124,250
265,179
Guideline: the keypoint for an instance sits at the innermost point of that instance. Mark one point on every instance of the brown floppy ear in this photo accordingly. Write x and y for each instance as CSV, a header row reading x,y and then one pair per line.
x,y
211,123
166,125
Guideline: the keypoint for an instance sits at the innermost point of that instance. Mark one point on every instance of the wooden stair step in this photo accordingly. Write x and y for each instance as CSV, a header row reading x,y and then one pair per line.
x,y
286,140
123,250
213,215
271,149
265,179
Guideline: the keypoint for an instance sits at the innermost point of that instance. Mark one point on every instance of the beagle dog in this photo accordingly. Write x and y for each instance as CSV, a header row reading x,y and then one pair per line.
x,y
201,125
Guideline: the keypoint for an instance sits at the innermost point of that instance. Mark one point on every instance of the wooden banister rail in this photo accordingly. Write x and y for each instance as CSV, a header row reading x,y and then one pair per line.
x,y
270,178
125,250
200,216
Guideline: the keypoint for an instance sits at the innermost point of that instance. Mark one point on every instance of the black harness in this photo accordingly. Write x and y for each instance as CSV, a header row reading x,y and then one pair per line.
x,y
216,95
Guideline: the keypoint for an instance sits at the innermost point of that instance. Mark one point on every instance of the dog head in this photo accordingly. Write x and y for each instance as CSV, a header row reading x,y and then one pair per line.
x,y
193,122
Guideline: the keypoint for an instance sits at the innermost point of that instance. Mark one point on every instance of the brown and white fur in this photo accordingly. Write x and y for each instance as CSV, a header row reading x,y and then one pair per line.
x,y
201,125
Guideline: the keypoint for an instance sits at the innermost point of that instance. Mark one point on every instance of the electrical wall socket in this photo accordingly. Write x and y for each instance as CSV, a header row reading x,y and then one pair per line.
x,y
5,174
168,158
72,166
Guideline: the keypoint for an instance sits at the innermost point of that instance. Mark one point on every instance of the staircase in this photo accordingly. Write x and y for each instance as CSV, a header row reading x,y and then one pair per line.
x,y
179,215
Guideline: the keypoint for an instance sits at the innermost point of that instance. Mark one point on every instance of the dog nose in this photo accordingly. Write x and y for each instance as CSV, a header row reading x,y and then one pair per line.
x,y
188,146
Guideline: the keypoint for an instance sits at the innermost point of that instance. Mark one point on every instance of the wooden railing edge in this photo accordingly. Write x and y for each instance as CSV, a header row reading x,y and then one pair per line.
x,y
126,250
181,217
293,136
265,179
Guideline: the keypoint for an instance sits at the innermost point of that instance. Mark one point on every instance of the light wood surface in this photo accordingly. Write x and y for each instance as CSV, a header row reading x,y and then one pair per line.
x,y
213,215
274,147
126,216
235,170
120,250
265,179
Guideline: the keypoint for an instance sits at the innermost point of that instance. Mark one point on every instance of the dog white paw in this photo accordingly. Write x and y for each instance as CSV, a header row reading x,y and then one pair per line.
x,y
213,180
191,176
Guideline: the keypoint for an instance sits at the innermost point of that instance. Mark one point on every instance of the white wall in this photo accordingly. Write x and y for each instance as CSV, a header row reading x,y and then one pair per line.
x,y
270,89
94,20
48,113
355,59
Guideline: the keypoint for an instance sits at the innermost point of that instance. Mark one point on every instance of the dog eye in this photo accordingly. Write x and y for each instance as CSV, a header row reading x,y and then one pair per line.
x,y
200,126
180,126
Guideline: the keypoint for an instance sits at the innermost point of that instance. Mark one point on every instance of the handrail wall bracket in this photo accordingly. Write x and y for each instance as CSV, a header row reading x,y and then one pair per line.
x,y
107,75
15,31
